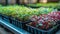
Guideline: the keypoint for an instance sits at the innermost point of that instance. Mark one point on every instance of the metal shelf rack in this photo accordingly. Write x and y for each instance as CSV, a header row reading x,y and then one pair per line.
x,y
13,28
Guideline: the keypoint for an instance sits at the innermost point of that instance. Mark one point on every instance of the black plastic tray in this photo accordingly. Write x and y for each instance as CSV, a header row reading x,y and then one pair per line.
x,y
35,30
14,21
6,18
19,23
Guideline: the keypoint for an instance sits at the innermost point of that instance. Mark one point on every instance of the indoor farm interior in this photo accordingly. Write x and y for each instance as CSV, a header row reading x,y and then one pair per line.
x,y
30,16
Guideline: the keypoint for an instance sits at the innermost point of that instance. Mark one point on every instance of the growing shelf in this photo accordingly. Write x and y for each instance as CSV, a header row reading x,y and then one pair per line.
x,y
13,28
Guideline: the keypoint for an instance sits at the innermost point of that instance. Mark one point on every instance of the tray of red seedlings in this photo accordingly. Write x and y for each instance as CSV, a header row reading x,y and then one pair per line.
x,y
56,15
36,30
44,24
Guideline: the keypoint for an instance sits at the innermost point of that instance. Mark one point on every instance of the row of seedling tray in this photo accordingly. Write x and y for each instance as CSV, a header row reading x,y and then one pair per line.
x,y
21,17
26,25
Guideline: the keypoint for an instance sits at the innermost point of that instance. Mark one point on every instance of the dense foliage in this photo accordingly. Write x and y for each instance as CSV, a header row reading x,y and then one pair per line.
x,y
23,13
45,21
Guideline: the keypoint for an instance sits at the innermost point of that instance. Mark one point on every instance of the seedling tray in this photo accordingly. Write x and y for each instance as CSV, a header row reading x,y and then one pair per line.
x,y
35,30
14,21
58,23
4,17
0,16
18,23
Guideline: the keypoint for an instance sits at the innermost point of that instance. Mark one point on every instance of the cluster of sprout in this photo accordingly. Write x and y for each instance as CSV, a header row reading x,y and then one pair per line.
x,y
23,12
